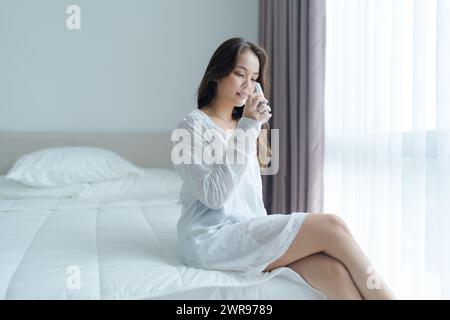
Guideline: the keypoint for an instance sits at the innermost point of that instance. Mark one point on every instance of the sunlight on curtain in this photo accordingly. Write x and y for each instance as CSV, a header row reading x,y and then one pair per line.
x,y
387,149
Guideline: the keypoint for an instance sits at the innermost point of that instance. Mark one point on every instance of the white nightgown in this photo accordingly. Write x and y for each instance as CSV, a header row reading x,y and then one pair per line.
x,y
224,224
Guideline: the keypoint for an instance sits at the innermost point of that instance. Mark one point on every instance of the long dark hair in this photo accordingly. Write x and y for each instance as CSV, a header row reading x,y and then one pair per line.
x,y
222,63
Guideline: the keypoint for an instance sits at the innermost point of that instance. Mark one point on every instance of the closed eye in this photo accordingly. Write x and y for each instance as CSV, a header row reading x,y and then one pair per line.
x,y
241,75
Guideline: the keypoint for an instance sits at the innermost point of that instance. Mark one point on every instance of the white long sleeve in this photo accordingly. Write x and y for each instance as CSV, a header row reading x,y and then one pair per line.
x,y
212,184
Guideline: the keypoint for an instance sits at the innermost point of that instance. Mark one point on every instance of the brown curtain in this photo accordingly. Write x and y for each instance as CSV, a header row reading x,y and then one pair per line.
x,y
293,33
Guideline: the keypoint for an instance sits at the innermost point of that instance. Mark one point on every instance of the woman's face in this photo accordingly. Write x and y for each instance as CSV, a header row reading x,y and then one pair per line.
x,y
240,83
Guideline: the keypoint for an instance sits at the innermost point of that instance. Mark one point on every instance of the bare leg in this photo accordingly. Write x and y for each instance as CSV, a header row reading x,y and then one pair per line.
x,y
327,275
328,233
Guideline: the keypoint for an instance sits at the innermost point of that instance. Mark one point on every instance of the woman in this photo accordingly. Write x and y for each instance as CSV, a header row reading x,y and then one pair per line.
x,y
224,224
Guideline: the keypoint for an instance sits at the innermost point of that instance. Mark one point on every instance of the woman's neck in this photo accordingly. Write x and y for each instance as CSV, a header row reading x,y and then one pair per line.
x,y
221,115
222,110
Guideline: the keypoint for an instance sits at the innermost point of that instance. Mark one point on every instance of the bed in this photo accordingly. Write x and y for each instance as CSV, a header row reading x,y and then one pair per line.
x,y
85,244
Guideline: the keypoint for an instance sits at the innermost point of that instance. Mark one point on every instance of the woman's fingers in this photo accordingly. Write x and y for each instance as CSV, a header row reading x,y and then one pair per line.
x,y
264,114
262,109
256,107
255,97
259,101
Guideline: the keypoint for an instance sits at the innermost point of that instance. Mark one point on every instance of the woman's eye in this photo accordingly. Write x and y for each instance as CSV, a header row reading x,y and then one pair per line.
x,y
241,75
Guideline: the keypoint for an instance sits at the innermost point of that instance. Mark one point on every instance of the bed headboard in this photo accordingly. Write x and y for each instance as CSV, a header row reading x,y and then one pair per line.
x,y
146,149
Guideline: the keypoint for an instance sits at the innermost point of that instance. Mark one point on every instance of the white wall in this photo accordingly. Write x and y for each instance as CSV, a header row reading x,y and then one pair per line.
x,y
134,65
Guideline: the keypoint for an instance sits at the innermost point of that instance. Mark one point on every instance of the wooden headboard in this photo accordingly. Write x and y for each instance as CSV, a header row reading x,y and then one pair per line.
x,y
146,149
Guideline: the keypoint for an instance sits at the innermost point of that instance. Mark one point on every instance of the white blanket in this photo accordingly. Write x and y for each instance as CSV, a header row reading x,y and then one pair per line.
x,y
123,248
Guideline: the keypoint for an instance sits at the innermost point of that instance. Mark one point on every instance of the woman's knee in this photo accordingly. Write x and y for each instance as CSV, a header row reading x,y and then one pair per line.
x,y
319,233
336,227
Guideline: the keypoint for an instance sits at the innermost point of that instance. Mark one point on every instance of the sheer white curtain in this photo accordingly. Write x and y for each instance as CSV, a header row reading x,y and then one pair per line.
x,y
387,153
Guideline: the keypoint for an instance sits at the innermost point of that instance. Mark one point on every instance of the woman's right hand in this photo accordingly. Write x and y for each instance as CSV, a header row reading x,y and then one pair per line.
x,y
256,108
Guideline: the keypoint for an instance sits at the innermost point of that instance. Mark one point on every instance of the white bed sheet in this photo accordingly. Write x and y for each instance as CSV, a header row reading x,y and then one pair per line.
x,y
122,248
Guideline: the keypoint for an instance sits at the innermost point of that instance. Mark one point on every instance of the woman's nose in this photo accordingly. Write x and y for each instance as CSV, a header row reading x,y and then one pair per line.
x,y
248,84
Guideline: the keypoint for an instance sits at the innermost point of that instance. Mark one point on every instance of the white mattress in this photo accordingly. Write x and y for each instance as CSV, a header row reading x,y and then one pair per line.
x,y
123,248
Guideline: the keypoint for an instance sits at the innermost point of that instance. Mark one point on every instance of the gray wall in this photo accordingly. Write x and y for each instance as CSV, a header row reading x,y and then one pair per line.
x,y
134,66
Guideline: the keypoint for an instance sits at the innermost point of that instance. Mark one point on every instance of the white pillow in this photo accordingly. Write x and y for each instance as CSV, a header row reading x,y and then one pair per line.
x,y
10,189
70,165
154,182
